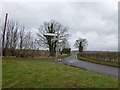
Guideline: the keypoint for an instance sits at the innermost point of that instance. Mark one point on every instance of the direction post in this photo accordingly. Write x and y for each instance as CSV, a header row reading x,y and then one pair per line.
x,y
55,38
53,35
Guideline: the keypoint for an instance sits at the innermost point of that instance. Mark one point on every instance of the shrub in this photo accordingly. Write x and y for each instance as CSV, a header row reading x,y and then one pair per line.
x,y
66,51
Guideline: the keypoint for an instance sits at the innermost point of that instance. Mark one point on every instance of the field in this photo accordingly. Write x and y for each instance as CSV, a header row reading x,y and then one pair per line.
x,y
106,58
29,74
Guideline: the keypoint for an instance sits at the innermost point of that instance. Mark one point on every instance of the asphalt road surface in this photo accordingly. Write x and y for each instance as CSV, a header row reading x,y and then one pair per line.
x,y
73,61
108,70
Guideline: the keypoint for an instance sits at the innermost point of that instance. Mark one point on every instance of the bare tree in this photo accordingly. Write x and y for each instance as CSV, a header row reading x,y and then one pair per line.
x,y
63,44
22,36
51,27
81,44
11,34
7,36
26,38
15,35
28,41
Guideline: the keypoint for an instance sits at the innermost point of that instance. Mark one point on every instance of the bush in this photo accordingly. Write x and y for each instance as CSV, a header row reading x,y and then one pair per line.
x,y
9,51
106,58
25,52
66,51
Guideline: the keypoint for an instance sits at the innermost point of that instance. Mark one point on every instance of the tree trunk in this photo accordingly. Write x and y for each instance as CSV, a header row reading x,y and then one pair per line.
x,y
52,52
80,47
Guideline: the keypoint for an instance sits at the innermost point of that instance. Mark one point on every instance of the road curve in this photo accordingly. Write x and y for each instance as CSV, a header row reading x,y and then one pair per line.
x,y
108,70
71,60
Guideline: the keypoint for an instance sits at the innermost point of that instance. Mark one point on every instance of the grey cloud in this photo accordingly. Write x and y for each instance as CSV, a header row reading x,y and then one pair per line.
x,y
92,20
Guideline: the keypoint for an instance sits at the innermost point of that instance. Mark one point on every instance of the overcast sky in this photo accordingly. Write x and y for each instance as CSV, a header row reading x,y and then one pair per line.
x,y
95,21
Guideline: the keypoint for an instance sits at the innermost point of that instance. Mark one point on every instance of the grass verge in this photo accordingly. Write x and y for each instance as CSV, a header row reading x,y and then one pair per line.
x,y
23,74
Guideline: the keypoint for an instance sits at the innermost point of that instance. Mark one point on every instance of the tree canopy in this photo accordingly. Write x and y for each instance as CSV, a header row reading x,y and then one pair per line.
x,y
81,44
51,27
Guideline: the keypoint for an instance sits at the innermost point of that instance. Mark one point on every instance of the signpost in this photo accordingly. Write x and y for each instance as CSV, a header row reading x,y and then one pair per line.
x,y
55,38
53,35
50,34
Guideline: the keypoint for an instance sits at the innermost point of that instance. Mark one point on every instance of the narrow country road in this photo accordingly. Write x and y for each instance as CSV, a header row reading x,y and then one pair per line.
x,y
108,70
71,60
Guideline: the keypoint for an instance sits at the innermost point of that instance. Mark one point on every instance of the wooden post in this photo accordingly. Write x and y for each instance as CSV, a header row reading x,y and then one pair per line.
x,y
3,41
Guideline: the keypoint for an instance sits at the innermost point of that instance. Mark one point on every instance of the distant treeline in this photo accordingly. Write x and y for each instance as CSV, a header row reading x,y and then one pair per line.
x,y
19,41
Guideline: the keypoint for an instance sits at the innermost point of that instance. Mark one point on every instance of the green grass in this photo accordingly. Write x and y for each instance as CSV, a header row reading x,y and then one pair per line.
x,y
114,64
28,74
